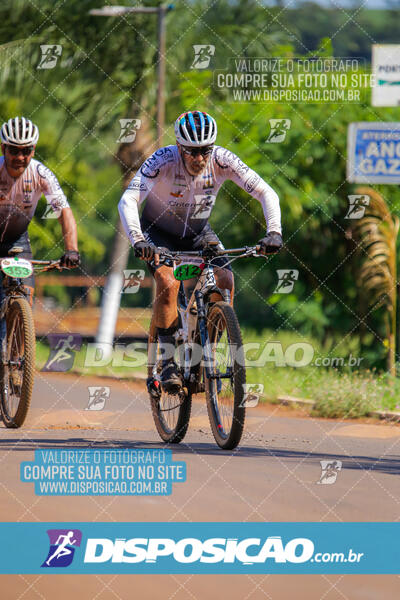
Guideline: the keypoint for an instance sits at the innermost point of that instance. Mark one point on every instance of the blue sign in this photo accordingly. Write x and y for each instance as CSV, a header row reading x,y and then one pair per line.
x,y
373,153
200,548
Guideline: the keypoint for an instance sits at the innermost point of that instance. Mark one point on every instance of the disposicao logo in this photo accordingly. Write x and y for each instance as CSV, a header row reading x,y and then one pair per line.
x,y
62,547
190,550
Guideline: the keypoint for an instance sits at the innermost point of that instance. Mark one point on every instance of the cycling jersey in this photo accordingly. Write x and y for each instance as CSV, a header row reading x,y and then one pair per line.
x,y
180,203
19,197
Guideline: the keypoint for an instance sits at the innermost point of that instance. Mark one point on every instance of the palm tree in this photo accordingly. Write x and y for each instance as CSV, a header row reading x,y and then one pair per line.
x,y
376,233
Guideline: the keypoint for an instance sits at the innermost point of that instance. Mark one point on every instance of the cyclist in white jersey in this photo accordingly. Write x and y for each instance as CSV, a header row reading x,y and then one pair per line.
x,y
22,182
178,186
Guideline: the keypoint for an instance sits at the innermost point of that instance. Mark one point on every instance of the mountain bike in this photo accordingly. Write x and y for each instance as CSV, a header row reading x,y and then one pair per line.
x,y
18,342
210,355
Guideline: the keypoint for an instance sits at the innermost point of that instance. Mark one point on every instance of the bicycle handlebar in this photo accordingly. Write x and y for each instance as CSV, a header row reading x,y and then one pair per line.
x,y
168,256
207,253
48,265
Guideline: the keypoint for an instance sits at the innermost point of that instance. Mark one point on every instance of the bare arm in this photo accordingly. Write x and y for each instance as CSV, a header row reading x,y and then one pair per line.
x,y
69,229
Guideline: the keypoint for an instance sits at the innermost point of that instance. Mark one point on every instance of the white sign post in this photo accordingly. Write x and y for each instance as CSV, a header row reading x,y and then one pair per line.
x,y
386,71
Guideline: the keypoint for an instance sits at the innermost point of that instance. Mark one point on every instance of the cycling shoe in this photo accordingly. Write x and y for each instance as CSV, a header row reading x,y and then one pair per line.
x,y
170,379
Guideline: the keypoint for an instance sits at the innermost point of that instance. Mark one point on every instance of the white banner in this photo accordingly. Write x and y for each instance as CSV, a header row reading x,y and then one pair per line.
x,y
386,71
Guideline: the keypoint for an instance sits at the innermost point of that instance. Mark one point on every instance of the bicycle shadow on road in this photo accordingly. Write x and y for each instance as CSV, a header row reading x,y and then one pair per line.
x,y
385,464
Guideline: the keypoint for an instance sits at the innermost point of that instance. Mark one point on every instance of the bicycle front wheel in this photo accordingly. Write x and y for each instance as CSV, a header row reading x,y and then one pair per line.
x,y
19,371
225,389
171,412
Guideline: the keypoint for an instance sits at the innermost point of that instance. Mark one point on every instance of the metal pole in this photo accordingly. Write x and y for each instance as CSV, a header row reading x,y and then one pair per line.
x,y
112,290
111,297
162,11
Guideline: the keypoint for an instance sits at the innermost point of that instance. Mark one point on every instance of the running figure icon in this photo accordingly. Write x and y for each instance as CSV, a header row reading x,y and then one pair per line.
x,y
62,351
63,544
287,279
62,549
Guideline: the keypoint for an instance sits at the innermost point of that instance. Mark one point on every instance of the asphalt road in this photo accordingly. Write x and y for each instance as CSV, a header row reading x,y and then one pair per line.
x,y
272,476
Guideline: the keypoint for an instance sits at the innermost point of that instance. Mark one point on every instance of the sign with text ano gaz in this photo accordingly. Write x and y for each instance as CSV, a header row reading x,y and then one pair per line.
x,y
373,152
386,71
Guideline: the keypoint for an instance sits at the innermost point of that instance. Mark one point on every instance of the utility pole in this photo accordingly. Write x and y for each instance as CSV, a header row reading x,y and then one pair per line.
x,y
119,258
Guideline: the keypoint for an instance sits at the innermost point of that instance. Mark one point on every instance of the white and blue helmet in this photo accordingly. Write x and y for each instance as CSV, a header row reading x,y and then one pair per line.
x,y
19,132
195,128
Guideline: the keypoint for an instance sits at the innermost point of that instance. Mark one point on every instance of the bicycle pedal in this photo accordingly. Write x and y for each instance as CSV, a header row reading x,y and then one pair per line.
x,y
154,387
172,389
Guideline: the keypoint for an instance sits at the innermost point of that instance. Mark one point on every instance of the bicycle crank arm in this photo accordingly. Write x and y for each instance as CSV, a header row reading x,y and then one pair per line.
x,y
221,376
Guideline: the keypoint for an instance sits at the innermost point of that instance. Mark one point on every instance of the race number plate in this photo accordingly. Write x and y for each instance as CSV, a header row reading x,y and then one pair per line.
x,y
188,268
16,267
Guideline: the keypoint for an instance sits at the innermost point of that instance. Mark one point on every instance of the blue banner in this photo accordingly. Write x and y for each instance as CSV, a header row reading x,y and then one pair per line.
x,y
201,548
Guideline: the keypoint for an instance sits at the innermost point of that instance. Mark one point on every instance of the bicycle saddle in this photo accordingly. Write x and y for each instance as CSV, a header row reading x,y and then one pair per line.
x,y
15,250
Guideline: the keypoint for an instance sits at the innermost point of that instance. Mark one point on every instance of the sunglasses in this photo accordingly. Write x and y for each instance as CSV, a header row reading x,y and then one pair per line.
x,y
204,151
15,150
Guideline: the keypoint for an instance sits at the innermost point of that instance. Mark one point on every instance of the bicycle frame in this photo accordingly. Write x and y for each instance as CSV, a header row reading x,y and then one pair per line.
x,y
13,287
193,312
191,316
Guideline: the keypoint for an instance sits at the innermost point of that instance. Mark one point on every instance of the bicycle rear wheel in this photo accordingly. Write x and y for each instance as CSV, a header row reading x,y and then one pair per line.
x,y
19,371
225,390
171,413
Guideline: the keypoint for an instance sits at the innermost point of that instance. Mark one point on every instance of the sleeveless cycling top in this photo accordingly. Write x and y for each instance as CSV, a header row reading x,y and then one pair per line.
x,y
180,203
19,197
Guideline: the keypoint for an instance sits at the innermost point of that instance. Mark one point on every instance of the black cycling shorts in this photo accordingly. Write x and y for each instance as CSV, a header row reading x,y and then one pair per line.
x,y
24,243
162,238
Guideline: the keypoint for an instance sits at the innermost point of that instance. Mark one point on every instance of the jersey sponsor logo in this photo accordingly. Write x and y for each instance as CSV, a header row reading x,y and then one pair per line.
x,y
150,167
252,182
177,179
239,167
225,158
166,152
133,235
54,207
27,190
209,182
177,194
220,158
181,204
136,184
146,171
45,173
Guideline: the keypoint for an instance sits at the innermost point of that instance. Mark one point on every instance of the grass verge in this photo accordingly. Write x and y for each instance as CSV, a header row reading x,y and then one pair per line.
x,y
337,392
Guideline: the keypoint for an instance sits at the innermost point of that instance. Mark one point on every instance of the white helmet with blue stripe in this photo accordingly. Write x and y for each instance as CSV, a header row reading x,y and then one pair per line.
x,y
195,128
